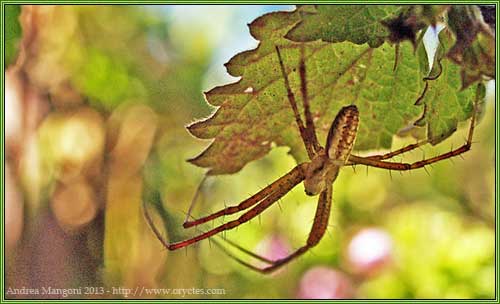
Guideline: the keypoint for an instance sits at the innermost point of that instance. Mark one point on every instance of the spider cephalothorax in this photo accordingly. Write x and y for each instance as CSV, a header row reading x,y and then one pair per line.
x,y
324,167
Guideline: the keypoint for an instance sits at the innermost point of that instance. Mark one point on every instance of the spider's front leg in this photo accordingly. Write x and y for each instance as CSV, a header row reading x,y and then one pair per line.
x,y
311,130
283,182
307,132
284,188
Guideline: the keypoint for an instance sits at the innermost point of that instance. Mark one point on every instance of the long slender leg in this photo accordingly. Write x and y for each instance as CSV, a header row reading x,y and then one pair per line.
x,y
240,260
407,166
293,104
368,161
391,154
215,241
195,199
399,151
317,232
255,211
244,250
293,175
311,132
238,247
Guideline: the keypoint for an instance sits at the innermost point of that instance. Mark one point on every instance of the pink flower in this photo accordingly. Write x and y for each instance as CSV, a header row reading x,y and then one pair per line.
x,y
322,282
369,250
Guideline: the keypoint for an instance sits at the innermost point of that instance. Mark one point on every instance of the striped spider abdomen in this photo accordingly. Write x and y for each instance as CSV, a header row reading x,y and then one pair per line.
x,y
342,135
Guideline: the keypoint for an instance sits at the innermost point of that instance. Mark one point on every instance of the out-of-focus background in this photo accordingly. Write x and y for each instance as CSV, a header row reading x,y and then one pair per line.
x,y
96,100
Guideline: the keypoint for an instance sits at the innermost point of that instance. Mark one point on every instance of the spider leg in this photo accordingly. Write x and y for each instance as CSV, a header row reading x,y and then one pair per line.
x,y
304,133
391,154
255,211
310,129
219,244
317,232
376,161
195,199
399,151
291,177
240,260
408,166
242,249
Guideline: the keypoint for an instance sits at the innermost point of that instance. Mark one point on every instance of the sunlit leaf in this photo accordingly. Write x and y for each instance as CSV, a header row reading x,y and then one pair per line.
x,y
254,112
336,23
445,104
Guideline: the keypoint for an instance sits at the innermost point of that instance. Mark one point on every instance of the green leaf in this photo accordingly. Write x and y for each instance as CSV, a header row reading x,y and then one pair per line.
x,y
445,103
474,48
336,23
254,112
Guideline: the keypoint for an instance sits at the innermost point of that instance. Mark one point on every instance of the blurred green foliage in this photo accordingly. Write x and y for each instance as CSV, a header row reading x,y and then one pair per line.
x,y
114,68
12,32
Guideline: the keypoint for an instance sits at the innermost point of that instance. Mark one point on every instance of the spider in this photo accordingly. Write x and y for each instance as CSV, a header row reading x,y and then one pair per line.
x,y
318,175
